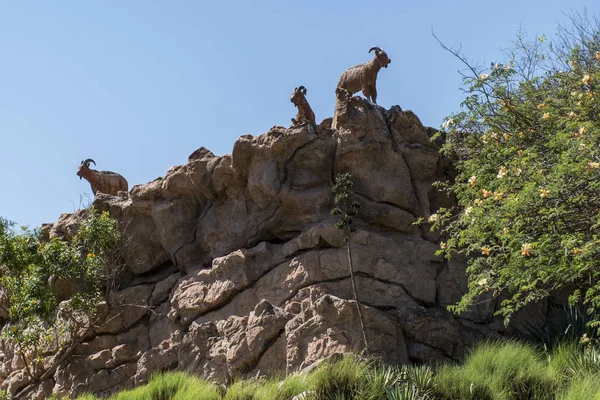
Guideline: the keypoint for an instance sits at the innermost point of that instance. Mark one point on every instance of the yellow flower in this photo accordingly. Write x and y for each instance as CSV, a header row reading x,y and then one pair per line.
x,y
483,282
91,255
521,135
505,231
468,210
506,136
541,105
485,250
589,95
571,115
501,173
547,116
544,193
486,193
540,171
478,202
581,130
442,245
526,250
585,339
577,250
585,79
593,164
498,195
14,329
433,218
483,77
473,180
447,124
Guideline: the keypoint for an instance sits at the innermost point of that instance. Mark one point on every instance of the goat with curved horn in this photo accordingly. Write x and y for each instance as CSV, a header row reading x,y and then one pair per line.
x,y
102,181
363,77
305,113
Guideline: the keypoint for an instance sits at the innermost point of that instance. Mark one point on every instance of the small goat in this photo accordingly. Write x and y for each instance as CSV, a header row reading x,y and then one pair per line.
x,y
102,181
364,76
305,113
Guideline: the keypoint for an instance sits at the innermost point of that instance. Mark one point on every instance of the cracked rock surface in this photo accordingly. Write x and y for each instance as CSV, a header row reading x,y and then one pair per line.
x,y
235,266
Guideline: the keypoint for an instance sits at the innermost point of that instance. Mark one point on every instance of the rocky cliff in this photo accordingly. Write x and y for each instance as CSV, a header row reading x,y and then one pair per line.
x,y
235,266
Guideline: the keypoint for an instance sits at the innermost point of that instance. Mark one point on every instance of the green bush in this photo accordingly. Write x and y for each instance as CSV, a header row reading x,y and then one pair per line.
x,y
168,386
566,325
587,388
498,371
368,379
572,361
28,266
528,161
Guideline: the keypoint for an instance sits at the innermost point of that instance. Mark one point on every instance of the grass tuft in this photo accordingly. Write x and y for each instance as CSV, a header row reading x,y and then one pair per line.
x,y
499,371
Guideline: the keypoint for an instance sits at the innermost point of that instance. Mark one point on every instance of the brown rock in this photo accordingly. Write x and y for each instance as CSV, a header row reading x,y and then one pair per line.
x,y
330,325
16,381
127,307
158,358
234,265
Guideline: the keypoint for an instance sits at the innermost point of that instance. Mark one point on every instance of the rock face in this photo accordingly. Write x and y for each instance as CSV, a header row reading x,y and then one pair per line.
x,y
236,266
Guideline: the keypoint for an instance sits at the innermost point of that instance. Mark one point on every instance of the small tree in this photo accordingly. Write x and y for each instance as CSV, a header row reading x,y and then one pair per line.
x,y
37,326
348,210
528,185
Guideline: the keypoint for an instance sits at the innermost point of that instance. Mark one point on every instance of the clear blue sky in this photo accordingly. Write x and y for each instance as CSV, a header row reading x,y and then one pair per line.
x,y
139,85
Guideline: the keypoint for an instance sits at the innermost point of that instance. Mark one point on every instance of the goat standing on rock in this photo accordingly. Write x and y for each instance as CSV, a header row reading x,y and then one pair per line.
x,y
305,113
364,76
102,181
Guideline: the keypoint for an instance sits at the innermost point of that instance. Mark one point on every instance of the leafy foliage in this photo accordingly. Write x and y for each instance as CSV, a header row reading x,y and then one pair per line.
x,y
343,206
30,268
348,210
527,142
566,324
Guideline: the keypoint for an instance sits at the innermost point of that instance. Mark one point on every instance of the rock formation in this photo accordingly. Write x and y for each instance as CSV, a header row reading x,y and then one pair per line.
x,y
235,266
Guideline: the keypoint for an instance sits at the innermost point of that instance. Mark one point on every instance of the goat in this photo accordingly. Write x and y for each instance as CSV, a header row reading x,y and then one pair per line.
x,y
305,113
102,181
364,76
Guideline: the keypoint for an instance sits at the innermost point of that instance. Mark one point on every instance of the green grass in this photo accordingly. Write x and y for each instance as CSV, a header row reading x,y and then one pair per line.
x,y
168,386
272,388
587,388
500,370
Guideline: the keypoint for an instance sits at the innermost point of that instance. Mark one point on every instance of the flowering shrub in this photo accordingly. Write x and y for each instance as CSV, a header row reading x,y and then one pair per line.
x,y
28,267
527,142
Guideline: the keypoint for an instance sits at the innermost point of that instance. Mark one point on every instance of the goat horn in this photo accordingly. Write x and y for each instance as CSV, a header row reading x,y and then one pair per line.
x,y
88,161
374,48
302,89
